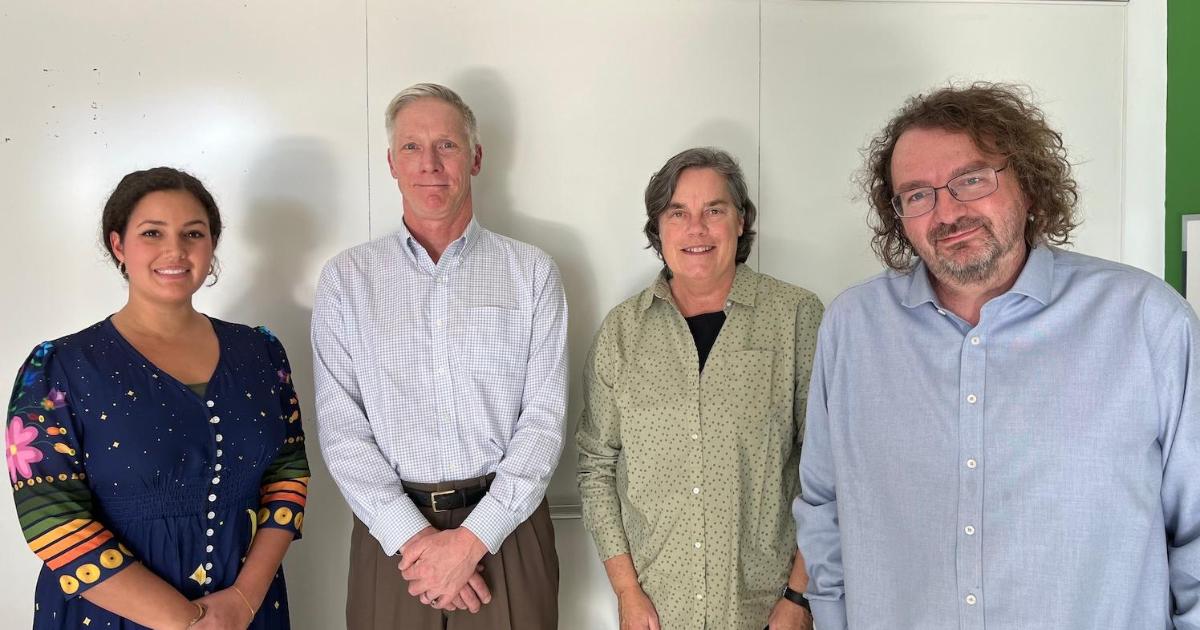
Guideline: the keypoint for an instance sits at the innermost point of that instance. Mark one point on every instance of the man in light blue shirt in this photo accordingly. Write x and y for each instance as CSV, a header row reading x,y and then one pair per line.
x,y
1000,434
440,359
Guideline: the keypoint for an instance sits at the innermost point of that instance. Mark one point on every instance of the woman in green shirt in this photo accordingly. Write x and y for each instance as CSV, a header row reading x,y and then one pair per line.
x,y
693,413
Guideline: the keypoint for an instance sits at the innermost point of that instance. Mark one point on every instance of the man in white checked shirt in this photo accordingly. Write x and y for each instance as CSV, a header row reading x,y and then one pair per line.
x,y
440,361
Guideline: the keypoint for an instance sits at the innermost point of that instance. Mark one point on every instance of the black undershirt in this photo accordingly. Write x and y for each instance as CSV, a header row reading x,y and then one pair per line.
x,y
705,327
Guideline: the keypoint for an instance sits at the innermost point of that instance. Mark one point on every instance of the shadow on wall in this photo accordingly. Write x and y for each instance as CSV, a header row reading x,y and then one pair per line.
x,y
290,194
499,135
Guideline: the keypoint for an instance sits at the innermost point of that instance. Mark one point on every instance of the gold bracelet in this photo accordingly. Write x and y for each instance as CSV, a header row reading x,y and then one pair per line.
x,y
244,599
201,610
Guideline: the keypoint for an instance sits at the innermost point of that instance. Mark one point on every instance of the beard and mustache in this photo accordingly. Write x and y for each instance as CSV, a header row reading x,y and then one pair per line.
x,y
967,268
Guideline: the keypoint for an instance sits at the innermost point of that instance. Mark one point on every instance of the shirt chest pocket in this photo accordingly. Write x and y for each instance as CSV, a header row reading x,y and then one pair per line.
x,y
738,397
491,335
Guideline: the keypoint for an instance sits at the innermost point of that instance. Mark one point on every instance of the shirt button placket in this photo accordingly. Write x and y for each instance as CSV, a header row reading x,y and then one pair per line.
x,y
215,423
443,392
698,469
972,417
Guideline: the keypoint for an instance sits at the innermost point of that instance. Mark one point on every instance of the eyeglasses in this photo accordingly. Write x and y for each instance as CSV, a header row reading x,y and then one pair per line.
x,y
966,187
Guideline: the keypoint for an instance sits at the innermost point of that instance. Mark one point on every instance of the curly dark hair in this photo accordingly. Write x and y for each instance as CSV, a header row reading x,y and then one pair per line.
x,y
661,189
1000,119
138,184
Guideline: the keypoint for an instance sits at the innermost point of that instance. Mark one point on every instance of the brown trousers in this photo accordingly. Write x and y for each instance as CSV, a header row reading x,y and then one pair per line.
x,y
523,579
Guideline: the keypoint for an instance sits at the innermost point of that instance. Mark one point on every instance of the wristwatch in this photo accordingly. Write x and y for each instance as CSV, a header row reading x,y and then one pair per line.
x,y
796,597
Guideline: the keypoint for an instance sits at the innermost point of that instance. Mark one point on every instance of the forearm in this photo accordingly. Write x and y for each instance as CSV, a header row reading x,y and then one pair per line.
x,y
137,594
621,573
798,578
262,563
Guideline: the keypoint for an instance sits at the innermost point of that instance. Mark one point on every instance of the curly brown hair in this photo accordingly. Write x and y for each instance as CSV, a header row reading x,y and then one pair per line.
x,y
1000,119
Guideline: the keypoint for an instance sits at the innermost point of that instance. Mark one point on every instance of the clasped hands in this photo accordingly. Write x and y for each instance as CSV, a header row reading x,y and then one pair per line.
x,y
443,570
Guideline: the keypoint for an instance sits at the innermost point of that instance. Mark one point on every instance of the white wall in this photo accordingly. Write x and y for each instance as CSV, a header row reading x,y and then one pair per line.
x,y
277,106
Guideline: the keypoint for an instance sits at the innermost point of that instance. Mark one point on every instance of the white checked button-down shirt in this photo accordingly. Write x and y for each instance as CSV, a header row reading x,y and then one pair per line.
x,y
439,372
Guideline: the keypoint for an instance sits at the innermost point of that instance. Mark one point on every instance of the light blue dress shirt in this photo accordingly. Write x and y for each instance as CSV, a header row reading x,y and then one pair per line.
x,y
430,372
1038,470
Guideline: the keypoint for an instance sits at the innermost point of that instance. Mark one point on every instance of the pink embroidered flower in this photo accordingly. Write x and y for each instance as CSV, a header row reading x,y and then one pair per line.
x,y
19,452
54,398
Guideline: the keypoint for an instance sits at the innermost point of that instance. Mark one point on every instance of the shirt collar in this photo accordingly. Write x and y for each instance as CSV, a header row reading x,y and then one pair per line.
x,y
1036,280
744,290
457,248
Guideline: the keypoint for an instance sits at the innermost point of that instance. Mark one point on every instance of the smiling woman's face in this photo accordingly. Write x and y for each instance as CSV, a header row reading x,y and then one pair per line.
x,y
700,228
167,247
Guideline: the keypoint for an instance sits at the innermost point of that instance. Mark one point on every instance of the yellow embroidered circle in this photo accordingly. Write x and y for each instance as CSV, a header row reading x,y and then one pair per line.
x,y
88,573
111,559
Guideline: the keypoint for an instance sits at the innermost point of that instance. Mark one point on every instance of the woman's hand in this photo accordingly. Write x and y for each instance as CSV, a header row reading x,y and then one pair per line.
x,y
226,611
636,611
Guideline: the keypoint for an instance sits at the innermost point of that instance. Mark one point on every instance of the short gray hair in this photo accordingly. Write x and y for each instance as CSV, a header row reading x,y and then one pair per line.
x,y
430,90
661,189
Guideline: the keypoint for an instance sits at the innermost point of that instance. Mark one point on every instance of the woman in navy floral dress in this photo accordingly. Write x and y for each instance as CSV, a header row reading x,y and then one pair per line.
x,y
156,457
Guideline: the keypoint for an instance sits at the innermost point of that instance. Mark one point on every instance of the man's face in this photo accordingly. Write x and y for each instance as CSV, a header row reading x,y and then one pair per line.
x,y
962,243
432,160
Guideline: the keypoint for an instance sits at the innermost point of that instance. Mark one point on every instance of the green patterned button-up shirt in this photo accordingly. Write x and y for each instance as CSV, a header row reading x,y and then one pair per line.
x,y
691,473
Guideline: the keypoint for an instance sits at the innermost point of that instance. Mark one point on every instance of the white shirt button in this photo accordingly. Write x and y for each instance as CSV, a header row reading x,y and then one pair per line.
x,y
695,436
214,419
695,490
212,497
970,530
971,600
209,532
219,438
971,398
207,566
212,515
699,596
209,548
218,452
974,341
216,480
217,467
941,312
210,403
439,323
697,544
208,580
972,464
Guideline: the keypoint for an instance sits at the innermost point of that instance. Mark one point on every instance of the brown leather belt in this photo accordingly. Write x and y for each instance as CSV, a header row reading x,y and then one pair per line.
x,y
444,500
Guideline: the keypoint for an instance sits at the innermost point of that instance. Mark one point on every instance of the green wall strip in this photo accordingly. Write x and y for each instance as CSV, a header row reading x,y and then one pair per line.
x,y
1183,129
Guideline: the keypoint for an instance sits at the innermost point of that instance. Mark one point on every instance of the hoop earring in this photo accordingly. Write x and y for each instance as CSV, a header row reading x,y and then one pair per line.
x,y
121,268
214,270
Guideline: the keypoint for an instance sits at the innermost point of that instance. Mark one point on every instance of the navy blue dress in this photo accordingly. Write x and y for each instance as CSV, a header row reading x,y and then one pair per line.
x,y
113,461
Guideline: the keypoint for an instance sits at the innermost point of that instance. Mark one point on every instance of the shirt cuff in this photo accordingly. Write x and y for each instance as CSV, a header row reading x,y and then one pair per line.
x,y
395,523
80,574
491,522
284,515
829,614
